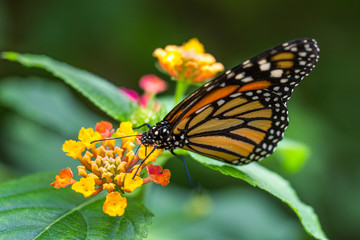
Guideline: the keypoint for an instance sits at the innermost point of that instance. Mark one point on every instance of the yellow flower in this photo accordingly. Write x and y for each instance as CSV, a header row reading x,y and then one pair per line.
x,y
145,151
86,186
109,187
114,204
86,136
195,45
188,62
73,148
106,166
130,184
125,129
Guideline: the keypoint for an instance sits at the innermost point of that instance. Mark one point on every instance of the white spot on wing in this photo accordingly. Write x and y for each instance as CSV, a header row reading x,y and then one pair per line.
x,y
240,75
247,65
265,67
276,73
202,109
220,102
262,62
210,88
230,75
235,95
247,79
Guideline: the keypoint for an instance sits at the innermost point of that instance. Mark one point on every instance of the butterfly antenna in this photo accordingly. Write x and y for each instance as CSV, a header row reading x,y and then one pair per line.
x,y
123,183
192,182
105,139
145,124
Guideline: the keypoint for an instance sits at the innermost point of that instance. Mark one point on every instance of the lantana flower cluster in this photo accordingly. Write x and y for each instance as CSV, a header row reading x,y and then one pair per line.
x,y
118,169
188,62
105,166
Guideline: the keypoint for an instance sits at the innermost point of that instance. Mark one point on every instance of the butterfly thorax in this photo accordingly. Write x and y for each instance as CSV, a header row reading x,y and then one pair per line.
x,y
160,136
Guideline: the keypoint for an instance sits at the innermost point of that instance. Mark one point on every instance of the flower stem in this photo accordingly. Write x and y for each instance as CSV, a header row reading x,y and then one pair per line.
x,y
181,86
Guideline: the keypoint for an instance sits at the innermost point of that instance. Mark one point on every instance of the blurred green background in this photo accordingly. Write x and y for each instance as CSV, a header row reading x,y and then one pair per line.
x,y
115,40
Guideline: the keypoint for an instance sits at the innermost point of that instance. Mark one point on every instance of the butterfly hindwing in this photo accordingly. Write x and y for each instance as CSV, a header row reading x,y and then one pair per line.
x,y
238,128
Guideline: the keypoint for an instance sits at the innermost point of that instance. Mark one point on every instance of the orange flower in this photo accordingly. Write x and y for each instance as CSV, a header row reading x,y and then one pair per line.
x,y
63,179
188,62
106,166
104,128
158,175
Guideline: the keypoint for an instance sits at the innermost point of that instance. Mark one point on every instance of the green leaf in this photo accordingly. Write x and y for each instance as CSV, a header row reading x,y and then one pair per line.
x,y
99,91
31,209
41,146
258,176
225,213
47,103
44,114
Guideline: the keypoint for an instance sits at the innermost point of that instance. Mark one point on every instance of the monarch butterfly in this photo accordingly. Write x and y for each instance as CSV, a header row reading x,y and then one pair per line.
x,y
241,115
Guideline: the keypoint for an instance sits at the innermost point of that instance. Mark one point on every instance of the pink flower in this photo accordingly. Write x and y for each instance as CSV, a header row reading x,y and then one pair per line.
x,y
151,84
130,94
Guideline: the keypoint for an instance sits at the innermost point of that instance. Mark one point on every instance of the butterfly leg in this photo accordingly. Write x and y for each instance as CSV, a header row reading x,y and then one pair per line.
x,y
144,161
192,182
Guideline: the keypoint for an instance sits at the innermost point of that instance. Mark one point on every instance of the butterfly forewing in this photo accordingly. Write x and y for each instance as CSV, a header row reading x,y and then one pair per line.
x,y
241,115
279,69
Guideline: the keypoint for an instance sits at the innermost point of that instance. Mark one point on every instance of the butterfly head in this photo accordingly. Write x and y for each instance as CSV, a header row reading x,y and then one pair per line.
x,y
160,135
